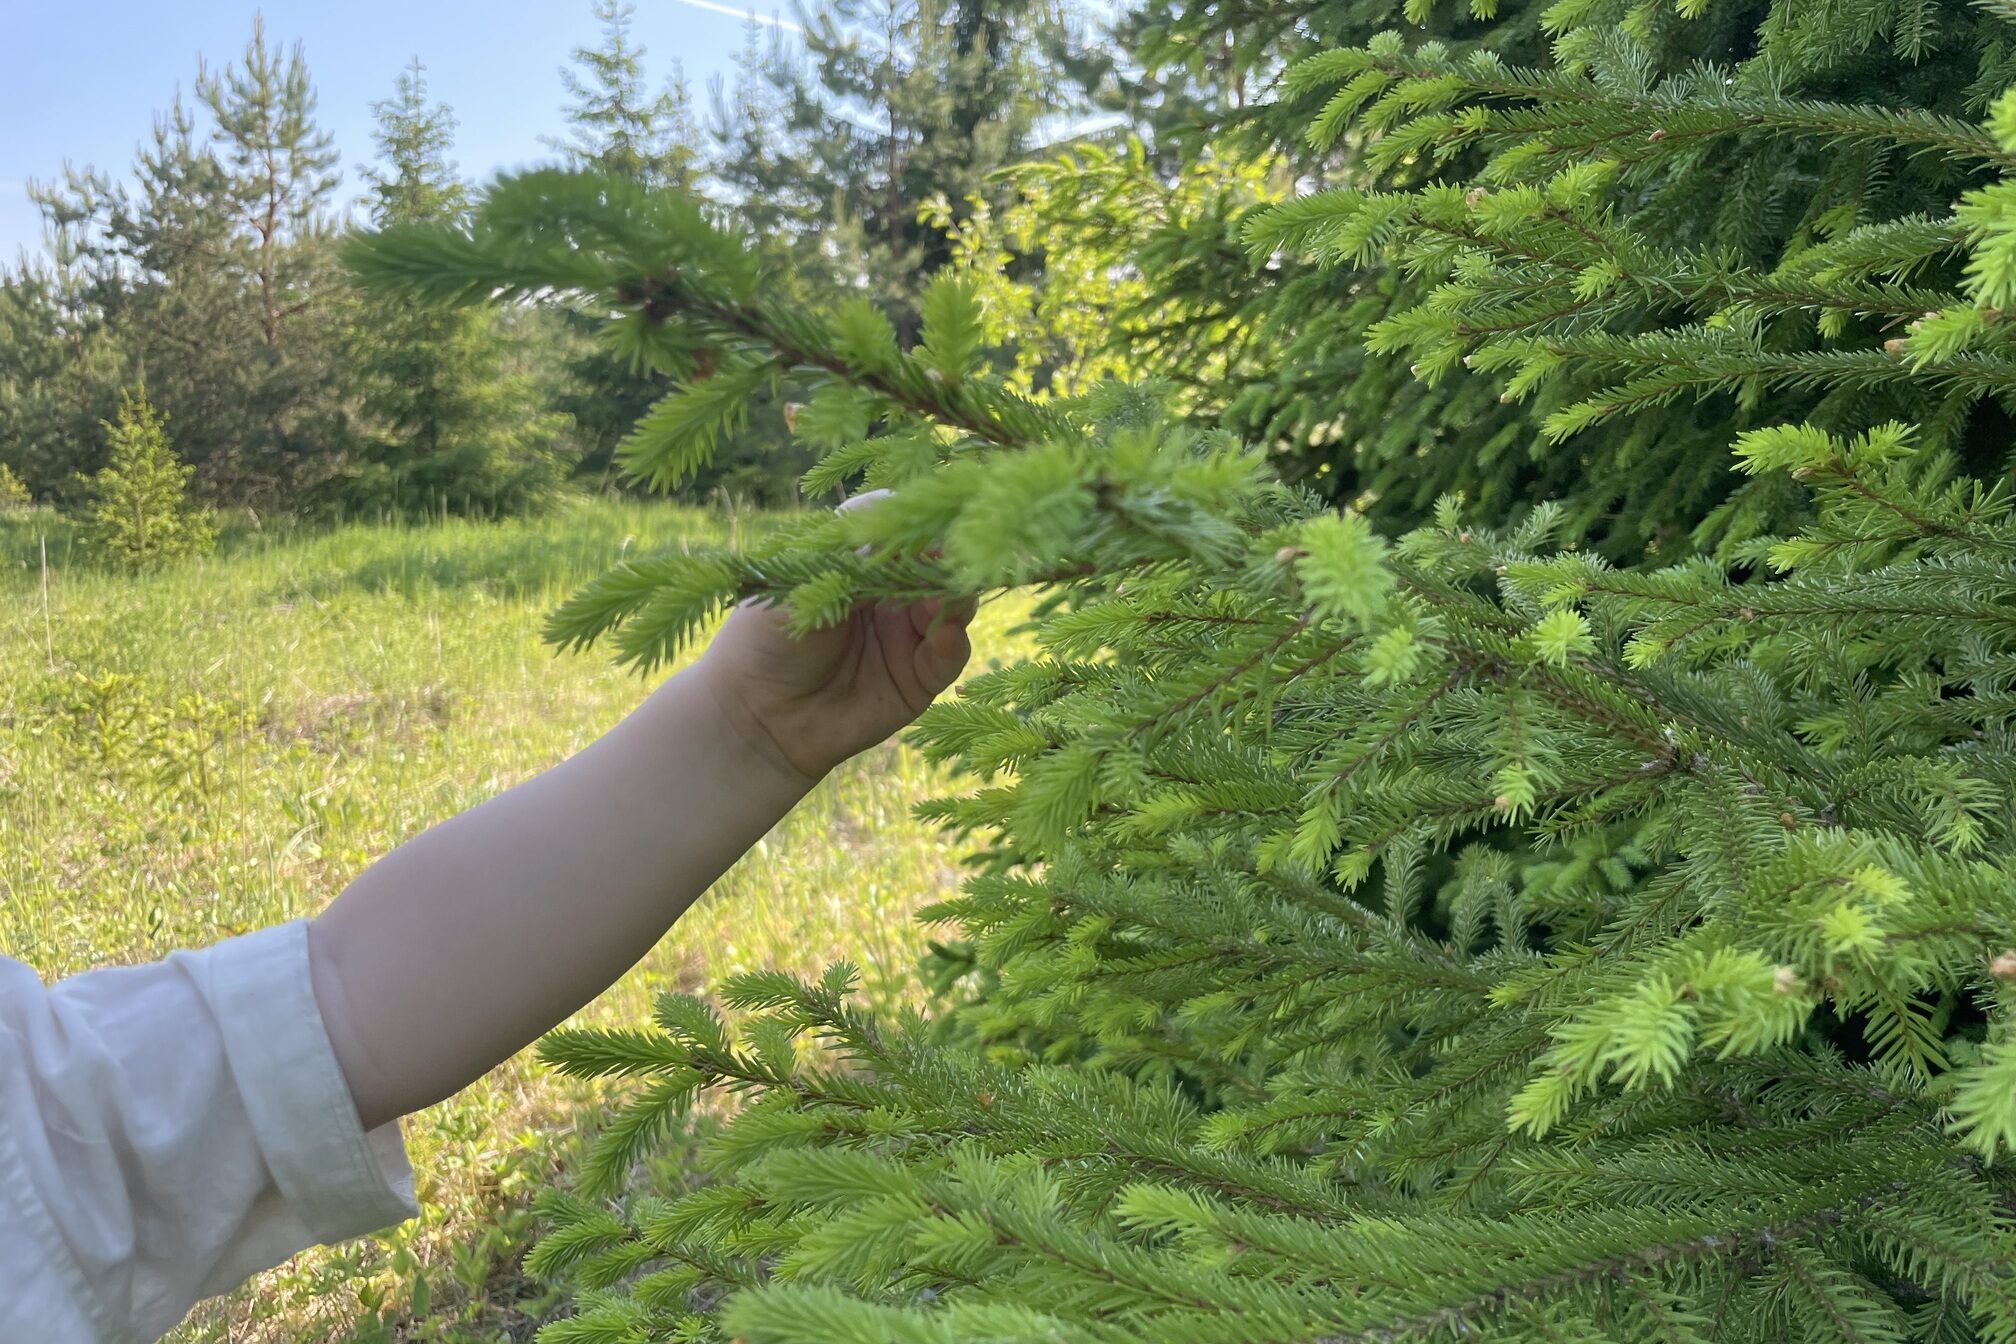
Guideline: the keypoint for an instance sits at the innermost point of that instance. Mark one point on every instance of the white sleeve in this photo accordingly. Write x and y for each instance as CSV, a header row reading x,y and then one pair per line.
x,y
166,1131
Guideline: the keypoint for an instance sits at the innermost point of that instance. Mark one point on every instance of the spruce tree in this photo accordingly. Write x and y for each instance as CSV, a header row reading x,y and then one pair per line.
x,y
1355,422
447,426
1453,934
618,126
415,181
61,364
138,512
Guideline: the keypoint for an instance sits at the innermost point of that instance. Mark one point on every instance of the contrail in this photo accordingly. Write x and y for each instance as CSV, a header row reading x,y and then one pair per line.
x,y
733,12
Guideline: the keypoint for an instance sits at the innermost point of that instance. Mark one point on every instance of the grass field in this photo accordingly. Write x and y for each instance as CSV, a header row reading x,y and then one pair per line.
x,y
188,755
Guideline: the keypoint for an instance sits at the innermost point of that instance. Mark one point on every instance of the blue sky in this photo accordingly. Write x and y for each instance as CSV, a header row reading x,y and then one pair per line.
x,y
82,80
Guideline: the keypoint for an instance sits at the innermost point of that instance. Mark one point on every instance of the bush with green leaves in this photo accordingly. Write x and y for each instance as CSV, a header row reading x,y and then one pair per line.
x,y
136,508
1453,935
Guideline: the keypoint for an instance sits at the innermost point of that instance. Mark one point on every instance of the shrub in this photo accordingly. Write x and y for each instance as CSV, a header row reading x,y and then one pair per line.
x,y
1391,940
13,494
137,509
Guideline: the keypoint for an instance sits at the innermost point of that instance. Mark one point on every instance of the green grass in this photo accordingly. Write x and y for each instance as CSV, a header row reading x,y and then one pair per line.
x,y
191,754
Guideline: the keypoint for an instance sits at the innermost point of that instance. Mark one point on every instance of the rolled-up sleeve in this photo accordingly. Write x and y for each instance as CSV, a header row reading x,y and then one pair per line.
x,y
166,1131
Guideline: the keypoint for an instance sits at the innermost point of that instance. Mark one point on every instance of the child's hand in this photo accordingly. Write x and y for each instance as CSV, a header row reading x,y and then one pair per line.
x,y
809,703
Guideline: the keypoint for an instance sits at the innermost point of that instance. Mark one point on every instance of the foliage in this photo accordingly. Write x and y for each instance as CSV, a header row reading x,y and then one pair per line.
x,y
137,510
206,749
1204,87
1721,249
1391,939
213,276
13,494
208,269
447,425
1082,272
1711,114
416,180
828,150
60,368
619,127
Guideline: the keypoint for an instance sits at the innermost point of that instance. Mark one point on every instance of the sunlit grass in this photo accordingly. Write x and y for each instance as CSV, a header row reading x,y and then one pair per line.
x,y
191,754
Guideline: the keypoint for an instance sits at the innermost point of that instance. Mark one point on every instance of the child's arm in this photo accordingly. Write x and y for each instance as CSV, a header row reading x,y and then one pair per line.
x,y
465,944
168,1129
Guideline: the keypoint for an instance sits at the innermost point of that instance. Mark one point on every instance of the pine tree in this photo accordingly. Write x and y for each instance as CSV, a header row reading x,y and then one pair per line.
x,y
447,426
1384,939
281,164
216,276
280,176
138,510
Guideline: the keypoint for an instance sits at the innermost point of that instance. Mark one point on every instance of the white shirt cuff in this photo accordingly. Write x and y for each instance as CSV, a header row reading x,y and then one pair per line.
x,y
340,1181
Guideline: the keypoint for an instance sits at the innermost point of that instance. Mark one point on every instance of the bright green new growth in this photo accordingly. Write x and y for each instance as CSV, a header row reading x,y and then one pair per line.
x,y
1457,936
138,511
13,494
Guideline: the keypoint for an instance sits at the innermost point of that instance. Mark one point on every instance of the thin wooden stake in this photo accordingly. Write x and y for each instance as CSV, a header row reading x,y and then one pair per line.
x,y
48,640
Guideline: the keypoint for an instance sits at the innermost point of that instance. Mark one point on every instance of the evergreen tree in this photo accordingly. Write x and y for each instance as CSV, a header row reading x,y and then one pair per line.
x,y
834,147
217,276
1727,197
619,127
60,366
282,166
447,427
1459,935
1355,421
416,181
864,151
138,511
281,181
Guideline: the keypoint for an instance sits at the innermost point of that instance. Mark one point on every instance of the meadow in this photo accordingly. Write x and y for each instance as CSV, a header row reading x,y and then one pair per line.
x,y
194,753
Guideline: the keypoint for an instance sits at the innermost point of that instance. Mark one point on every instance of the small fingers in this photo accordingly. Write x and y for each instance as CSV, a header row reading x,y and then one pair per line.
x,y
925,613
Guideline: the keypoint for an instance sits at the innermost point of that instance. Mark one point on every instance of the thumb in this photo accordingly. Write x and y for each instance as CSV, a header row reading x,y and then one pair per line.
x,y
862,501
865,497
